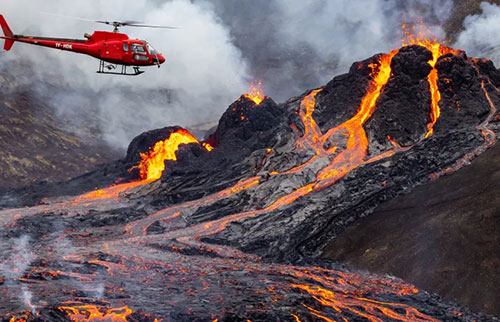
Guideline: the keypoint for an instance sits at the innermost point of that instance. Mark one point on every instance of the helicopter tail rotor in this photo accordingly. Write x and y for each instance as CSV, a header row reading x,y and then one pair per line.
x,y
9,41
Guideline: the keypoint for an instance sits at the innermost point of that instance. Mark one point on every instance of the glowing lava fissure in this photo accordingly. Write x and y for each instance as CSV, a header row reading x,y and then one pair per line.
x,y
152,164
438,50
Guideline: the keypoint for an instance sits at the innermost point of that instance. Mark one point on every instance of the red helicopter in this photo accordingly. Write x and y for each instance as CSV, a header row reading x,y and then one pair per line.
x,y
109,47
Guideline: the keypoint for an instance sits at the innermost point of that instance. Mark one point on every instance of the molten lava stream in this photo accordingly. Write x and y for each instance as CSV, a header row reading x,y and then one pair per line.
x,y
346,161
369,309
91,313
347,292
151,166
139,228
112,192
357,143
437,51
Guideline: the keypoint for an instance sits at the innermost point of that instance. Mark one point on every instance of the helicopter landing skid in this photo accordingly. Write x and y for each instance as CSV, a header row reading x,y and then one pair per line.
x,y
109,69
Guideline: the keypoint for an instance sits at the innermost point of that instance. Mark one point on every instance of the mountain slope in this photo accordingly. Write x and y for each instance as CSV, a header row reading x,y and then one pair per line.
x,y
35,144
447,230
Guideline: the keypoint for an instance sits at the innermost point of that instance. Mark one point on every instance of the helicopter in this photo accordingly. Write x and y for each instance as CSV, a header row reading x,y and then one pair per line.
x,y
114,48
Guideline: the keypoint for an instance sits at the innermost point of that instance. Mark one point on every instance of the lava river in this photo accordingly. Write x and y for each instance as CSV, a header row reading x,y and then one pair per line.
x,y
118,272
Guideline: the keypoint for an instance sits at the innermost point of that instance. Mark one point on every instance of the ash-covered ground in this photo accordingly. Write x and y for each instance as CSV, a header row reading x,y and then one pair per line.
x,y
236,233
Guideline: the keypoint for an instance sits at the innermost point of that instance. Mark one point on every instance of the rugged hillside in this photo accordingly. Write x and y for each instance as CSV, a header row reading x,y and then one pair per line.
x,y
444,231
35,143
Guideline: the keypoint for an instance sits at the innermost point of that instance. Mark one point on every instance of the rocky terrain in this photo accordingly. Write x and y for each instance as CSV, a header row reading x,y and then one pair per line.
x,y
236,232
36,144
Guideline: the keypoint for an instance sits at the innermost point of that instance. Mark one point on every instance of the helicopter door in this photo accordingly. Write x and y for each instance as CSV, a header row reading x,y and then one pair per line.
x,y
139,52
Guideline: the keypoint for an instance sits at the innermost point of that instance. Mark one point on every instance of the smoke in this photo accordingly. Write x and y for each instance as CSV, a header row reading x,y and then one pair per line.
x,y
291,45
15,266
204,71
294,45
480,37
61,247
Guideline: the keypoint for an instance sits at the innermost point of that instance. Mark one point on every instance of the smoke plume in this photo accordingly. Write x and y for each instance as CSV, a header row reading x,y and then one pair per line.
x,y
294,45
480,37
16,258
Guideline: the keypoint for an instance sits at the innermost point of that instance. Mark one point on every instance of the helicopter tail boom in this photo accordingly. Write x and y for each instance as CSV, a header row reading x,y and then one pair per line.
x,y
9,40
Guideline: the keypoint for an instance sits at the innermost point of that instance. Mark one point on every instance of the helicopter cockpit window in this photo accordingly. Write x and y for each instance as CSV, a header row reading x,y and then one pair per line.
x,y
136,48
151,49
125,47
141,57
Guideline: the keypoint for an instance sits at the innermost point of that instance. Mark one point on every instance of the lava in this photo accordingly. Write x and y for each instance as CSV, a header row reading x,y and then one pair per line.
x,y
112,192
91,313
374,311
256,93
207,146
437,50
153,163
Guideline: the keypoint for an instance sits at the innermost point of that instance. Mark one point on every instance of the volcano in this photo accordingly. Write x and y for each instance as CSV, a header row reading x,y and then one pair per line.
x,y
233,228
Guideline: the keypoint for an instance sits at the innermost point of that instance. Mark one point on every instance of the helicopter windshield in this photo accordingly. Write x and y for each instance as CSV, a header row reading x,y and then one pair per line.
x,y
137,48
151,49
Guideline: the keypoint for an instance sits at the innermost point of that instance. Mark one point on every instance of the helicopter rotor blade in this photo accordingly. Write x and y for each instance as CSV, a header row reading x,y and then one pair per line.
x,y
116,24
147,26
128,23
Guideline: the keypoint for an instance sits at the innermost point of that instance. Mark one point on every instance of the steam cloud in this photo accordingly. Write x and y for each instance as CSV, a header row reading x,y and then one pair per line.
x,y
14,266
480,37
291,45
204,70
295,45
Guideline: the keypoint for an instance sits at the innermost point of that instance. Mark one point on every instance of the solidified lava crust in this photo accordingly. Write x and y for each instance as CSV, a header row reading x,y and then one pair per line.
x,y
234,234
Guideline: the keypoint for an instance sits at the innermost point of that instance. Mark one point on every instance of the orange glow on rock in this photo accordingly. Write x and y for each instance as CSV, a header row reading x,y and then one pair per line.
x,y
256,93
91,313
207,146
369,309
153,163
420,36
357,142
112,192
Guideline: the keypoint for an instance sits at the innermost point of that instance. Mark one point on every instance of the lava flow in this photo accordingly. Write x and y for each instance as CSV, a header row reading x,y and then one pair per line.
x,y
437,50
153,163
179,257
88,313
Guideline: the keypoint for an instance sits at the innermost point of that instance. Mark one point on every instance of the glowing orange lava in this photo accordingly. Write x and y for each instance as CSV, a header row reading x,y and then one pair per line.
x,y
256,93
112,192
153,163
357,143
91,313
374,311
207,146
421,38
